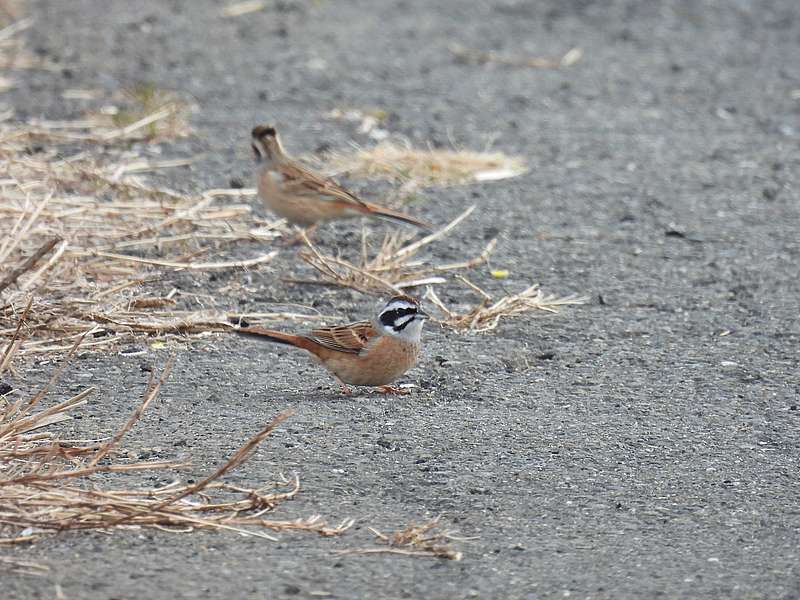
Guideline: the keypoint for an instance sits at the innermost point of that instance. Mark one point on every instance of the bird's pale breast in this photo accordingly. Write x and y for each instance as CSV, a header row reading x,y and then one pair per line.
x,y
380,363
299,208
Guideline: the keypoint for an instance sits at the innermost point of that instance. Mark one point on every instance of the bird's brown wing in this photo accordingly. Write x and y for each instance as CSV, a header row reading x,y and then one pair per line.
x,y
299,179
302,181
352,338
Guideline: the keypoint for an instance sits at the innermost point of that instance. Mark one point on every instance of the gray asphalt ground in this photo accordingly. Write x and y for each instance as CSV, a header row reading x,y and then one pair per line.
x,y
643,445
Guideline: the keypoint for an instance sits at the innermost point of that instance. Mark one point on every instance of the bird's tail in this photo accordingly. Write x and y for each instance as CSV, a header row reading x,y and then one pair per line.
x,y
394,215
270,335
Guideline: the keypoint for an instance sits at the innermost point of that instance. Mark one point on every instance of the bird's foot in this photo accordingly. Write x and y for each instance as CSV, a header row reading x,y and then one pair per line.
x,y
392,389
346,389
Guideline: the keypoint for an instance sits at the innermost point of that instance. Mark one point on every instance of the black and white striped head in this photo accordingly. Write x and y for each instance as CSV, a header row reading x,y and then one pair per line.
x,y
402,317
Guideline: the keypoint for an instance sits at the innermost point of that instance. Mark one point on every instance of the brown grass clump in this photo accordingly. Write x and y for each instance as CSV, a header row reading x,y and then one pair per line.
x,y
155,113
416,540
402,163
393,267
86,245
91,243
485,315
140,113
47,485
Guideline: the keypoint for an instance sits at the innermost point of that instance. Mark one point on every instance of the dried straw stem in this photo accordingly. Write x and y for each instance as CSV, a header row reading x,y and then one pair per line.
x,y
47,485
485,315
29,263
81,238
401,162
415,540
478,57
391,269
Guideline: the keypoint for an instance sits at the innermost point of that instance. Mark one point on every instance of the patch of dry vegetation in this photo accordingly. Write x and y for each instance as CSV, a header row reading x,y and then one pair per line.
x,y
48,485
87,248
155,113
424,540
401,163
83,237
393,268
140,113
485,315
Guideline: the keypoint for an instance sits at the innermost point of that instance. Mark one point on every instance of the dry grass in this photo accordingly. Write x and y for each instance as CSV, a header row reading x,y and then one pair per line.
x,y
238,9
92,244
423,540
87,250
86,245
478,57
165,115
48,485
140,113
485,315
401,163
392,267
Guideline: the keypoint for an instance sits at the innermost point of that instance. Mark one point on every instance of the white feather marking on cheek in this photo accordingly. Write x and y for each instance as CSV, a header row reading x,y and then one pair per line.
x,y
403,320
412,333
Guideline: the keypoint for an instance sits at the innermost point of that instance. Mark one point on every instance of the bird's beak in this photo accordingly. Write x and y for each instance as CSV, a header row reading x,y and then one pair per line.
x,y
423,314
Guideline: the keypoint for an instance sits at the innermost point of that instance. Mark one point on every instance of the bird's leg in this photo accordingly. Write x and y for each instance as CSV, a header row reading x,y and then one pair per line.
x,y
298,238
346,389
309,231
391,389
